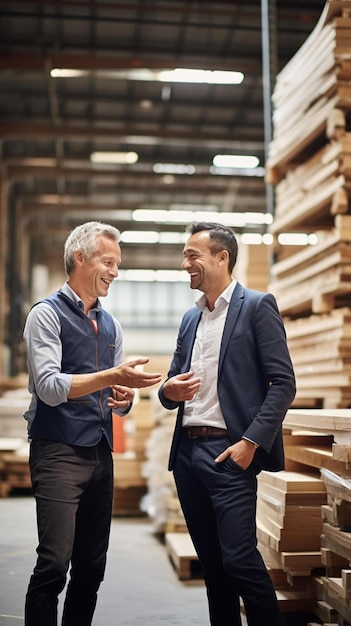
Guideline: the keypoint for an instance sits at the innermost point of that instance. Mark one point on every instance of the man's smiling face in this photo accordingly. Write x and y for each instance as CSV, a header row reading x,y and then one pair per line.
x,y
200,261
97,273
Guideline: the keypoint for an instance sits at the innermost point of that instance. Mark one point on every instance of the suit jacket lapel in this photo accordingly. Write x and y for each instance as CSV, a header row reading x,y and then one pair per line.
x,y
192,334
234,307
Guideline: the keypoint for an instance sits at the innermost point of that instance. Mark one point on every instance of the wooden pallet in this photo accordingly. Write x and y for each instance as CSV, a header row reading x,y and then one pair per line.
x,y
182,554
14,473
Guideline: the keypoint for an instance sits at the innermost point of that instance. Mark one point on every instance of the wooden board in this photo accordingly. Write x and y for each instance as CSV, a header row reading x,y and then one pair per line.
x,y
292,482
336,422
182,553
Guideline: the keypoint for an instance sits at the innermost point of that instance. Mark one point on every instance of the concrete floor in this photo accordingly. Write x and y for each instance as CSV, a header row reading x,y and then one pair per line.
x,y
141,587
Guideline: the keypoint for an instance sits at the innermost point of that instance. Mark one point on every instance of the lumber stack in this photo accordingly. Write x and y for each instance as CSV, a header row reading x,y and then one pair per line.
x,y
309,162
320,349
252,266
14,469
130,481
161,501
320,440
288,531
312,90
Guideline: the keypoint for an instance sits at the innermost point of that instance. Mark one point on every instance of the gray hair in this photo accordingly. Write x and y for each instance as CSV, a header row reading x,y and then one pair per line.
x,y
83,238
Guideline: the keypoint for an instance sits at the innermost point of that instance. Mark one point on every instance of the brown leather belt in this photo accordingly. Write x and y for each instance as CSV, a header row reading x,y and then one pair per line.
x,y
203,431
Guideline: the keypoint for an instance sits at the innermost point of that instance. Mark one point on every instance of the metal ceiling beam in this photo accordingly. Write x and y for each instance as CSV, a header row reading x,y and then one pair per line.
x,y
23,129
123,60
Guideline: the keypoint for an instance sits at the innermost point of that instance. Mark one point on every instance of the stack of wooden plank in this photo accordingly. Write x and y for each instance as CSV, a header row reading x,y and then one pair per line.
x,y
311,87
320,348
130,483
161,501
321,439
288,531
252,267
317,278
309,162
14,468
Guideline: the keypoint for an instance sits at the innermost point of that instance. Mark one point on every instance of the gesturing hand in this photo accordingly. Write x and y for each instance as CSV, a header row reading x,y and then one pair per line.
x,y
121,397
127,374
181,387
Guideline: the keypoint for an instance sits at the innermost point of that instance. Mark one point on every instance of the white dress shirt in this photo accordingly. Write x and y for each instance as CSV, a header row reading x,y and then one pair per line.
x,y
204,409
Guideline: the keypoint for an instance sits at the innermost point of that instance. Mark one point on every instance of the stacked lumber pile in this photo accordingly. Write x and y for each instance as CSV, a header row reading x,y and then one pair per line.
x,y
130,482
14,469
320,439
320,350
312,92
288,531
309,162
161,502
252,267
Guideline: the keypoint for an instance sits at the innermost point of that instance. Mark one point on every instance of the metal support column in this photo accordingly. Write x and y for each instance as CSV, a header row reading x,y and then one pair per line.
x,y
269,73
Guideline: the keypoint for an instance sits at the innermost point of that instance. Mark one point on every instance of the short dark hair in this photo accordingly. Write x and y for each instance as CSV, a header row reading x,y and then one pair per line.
x,y
222,238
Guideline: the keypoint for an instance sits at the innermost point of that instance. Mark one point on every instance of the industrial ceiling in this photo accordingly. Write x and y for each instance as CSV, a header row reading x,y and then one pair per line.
x,y
51,125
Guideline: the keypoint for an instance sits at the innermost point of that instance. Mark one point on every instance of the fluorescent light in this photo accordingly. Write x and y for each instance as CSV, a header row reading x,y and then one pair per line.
x,y
258,218
138,275
168,179
172,238
192,207
171,276
186,75
235,161
179,75
187,217
251,238
58,72
142,275
142,236
237,171
162,216
267,239
173,168
297,239
122,158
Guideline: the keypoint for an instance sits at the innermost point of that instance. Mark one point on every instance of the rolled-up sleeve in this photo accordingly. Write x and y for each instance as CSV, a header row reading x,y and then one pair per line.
x,y
44,353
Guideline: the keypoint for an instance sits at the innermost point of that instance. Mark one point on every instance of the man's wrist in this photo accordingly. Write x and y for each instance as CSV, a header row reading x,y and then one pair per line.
x,y
255,445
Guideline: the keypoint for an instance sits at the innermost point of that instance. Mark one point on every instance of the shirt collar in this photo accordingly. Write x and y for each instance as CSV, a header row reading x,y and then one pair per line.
x,y
68,291
224,296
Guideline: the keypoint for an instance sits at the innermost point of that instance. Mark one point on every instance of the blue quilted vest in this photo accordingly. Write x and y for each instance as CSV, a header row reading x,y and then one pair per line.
x,y
81,421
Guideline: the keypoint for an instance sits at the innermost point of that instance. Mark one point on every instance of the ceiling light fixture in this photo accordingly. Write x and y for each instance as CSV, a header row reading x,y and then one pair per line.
x,y
139,236
297,239
163,216
173,168
175,75
237,171
142,275
58,72
187,75
235,161
121,158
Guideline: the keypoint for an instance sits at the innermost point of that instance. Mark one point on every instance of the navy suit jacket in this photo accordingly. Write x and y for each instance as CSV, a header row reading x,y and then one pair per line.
x,y
255,378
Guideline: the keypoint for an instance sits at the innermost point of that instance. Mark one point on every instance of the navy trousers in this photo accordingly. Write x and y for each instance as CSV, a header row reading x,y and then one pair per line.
x,y
73,488
219,505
